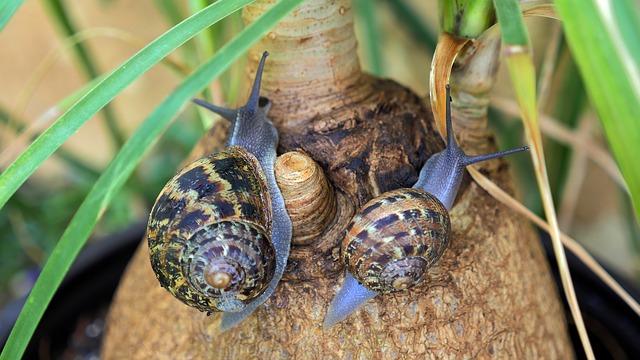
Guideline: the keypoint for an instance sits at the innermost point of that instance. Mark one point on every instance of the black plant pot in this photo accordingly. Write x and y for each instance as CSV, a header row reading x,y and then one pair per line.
x,y
614,329
72,326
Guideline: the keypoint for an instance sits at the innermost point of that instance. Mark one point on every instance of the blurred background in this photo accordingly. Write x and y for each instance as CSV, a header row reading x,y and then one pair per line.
x,y
51,50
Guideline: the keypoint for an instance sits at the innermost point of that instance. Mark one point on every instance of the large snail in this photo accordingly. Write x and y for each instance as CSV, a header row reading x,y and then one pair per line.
x,y
395,238
219,234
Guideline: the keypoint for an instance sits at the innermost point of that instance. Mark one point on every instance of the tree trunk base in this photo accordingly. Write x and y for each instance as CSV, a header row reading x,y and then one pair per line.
x,y
467,309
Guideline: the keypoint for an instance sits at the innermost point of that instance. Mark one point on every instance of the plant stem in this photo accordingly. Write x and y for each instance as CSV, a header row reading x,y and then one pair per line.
x,y
59,13
322,67
466,18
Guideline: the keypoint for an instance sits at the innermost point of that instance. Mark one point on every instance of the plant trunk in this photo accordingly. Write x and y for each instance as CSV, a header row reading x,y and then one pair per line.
x,y
490,295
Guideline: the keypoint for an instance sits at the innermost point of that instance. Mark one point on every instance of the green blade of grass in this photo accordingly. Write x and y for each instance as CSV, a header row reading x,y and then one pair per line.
x,y
171,11
59,13
367,14
174,13
7,9
17,173
119,171
205,39
74,162
512,27
603,37
418,27
567,110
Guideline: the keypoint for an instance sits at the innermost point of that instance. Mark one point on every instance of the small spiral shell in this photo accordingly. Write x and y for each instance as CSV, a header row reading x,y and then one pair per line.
x,y
309,198
209,232
395,238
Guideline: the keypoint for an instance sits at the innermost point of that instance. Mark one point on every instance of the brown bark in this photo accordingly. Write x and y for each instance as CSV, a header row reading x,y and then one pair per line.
x,y
490,295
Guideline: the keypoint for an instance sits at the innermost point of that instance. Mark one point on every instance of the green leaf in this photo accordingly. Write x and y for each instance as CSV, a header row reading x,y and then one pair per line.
x,y
60,14
418,27
515,46
73,161
372,39
121,168
7,9
171,11
603,37
18,172
466,18
513,30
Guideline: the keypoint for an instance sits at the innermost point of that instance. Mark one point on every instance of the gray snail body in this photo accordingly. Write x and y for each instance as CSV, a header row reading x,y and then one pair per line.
x,y
219,234
396,237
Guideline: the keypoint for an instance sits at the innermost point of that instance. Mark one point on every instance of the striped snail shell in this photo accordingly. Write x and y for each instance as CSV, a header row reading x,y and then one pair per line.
x,y
392,240
396,237
219,234
209,232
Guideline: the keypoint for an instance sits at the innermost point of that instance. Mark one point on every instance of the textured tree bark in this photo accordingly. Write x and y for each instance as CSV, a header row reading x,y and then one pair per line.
x,y
490,295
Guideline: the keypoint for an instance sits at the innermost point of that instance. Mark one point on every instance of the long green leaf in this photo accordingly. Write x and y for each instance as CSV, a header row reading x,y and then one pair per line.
x,y
366,11
7,9
18,172
171,11
72,160
60,14
512,27
603,37
119,171
418,27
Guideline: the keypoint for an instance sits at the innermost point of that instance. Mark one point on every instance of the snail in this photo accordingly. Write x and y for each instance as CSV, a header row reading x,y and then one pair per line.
x,y
396,237
219,234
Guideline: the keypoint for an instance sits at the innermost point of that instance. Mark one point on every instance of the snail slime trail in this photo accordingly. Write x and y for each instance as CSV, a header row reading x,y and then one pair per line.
x,y
396,237
218,233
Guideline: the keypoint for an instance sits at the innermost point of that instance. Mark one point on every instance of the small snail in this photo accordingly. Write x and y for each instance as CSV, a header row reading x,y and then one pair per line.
x,y
394,238
219,235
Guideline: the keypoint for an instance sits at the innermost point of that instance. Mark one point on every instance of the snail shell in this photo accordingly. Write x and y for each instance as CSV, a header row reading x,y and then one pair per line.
x,y
209,232
219,234
394,239
309,198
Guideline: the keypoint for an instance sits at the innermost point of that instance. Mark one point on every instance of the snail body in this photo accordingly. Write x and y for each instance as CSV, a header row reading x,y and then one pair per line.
x,y
396,237
218,233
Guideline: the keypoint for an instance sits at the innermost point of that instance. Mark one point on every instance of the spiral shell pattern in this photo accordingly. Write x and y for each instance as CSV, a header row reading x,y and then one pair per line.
x,y
309,198
209,232
395,238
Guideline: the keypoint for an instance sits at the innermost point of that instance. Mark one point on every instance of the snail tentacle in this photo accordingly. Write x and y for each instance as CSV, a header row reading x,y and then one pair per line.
x,y
442,173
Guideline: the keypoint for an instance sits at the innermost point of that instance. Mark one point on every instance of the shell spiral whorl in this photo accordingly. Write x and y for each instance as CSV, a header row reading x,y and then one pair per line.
x,y
230,261
394,239
208,232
